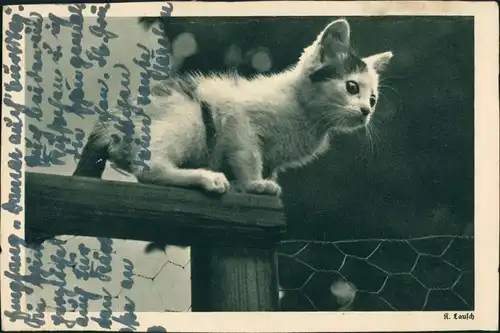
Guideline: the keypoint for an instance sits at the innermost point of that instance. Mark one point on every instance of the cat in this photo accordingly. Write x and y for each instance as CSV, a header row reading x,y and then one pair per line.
x,y
205,127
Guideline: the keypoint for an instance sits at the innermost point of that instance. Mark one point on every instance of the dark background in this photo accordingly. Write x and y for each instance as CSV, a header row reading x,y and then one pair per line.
x,y
419,179
416,181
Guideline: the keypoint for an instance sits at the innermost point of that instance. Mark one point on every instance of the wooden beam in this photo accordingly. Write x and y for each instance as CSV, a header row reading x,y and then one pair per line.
x,y
57,205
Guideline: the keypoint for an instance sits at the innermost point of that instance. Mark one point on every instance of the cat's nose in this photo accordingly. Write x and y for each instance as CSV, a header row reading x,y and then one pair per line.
x,y
365,111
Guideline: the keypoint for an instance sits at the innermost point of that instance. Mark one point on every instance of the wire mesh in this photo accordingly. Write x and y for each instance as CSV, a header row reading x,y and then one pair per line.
x,y
419,274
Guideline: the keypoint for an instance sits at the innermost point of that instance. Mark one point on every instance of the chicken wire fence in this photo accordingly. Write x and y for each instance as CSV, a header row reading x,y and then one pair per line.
x,y
429,273
433,273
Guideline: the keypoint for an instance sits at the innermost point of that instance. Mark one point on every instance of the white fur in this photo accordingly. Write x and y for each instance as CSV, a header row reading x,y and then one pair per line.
x,y
278,121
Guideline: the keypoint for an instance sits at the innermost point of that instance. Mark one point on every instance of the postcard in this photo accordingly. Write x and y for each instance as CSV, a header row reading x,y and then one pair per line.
x,y
267,166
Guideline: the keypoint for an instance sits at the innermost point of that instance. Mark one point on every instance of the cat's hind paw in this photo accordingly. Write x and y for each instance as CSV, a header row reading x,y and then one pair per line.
x,y
264,186
215,182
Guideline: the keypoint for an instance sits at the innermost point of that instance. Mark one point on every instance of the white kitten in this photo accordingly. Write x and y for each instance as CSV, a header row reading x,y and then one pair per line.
x,y
259,126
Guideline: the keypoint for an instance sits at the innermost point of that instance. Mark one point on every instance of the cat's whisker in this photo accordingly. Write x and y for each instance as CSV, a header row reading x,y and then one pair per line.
x,y
344,107
373,139
382,80
370,142
394,90
394,106
363,149
331,119
367,149
391,77
376,136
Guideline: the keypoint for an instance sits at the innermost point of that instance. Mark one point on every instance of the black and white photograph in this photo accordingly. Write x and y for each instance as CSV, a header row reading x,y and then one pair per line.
x,y
322,165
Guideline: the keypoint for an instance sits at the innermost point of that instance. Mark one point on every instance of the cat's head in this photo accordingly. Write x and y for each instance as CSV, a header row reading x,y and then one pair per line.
x,y
339,89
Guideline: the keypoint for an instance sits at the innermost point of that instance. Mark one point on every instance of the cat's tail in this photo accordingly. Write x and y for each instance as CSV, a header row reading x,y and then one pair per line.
x,y
93,160
92,163
95,155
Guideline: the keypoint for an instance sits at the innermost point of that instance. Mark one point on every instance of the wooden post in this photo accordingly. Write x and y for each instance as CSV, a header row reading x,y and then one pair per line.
x,y
233,278
233,237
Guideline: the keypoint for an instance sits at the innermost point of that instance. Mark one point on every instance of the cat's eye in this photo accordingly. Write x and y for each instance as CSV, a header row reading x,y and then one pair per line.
x,y
352,87
373,100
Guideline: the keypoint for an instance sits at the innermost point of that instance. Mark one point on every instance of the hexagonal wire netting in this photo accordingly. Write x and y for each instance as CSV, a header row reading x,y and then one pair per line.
x,y
429,273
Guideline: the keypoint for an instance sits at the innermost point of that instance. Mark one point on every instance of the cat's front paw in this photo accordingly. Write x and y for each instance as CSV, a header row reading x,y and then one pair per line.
x,y
214,182
264,186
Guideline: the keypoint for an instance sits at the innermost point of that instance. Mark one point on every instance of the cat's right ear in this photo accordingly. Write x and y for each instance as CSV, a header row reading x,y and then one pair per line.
x,y
332,43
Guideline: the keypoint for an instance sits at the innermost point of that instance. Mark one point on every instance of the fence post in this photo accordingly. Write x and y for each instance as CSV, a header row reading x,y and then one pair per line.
x,y
229,278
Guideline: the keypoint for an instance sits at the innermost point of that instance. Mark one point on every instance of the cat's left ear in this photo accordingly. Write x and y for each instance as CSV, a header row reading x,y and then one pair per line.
x,y
334,40
331,44
379,61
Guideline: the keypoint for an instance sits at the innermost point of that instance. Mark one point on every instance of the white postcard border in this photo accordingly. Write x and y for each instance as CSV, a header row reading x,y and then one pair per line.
x,y
486,175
